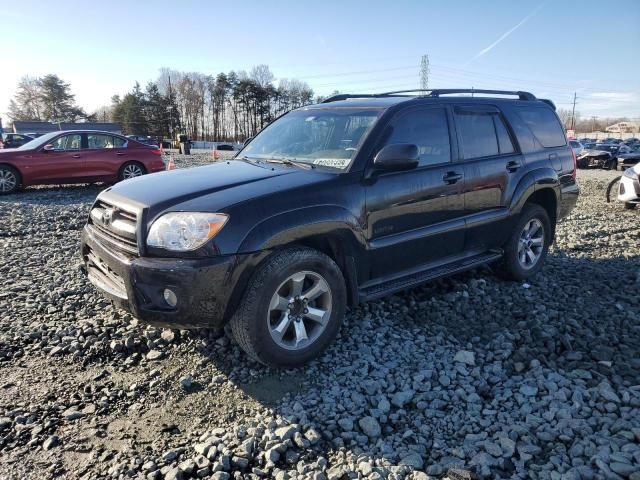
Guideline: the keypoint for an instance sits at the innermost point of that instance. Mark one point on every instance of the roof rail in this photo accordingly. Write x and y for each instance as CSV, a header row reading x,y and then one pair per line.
x,y
431,93
345,96
448,91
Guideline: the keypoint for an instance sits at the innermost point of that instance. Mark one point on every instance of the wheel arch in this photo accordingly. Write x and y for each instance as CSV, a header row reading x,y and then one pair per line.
x,y
540,187
329,229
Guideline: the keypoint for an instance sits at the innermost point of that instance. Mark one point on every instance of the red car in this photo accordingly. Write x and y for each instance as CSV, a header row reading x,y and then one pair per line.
x,y
76,156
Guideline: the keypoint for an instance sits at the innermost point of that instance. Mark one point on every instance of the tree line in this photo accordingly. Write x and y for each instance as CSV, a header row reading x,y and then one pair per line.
x,y
224,107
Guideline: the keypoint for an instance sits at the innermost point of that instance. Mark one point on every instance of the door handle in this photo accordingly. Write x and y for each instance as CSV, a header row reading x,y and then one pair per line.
x,y
451,177
120,154
76,156
513,165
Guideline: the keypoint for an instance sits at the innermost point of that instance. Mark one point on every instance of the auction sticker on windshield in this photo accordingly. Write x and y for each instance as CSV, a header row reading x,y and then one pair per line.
x,y
333,162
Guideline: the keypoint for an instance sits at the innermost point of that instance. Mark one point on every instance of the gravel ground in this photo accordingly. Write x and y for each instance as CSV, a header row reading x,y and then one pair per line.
x,y
468,376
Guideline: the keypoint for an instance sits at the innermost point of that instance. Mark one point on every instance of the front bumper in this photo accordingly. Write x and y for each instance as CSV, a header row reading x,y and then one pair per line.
x,y
629,189
203,287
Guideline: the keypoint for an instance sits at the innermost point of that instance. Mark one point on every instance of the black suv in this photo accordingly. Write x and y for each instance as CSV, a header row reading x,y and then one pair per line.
x,y
331,205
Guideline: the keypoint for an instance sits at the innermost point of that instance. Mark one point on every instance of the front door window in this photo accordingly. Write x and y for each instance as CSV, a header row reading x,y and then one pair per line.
x,y
68,142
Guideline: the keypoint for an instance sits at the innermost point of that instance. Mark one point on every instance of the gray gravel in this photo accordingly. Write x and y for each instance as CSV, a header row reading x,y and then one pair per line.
x,y
470,375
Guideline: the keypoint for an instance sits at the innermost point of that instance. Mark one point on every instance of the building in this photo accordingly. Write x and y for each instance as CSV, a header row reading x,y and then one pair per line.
x,y
624,127
40,128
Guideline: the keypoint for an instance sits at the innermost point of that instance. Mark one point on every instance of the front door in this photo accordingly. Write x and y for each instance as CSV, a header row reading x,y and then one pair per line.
x,y
415,217
63,163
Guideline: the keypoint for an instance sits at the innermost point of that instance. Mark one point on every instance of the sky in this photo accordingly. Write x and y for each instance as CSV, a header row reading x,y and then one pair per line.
x,y
551,48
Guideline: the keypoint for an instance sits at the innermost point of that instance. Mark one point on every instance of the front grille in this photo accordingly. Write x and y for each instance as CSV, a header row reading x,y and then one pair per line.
x,y
101,275
115,226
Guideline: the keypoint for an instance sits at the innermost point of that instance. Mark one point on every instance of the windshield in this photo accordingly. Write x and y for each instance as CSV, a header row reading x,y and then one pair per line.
x,y
38,142
328,137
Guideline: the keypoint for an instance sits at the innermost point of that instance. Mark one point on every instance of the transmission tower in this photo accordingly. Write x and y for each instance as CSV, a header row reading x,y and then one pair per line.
x,y
424,73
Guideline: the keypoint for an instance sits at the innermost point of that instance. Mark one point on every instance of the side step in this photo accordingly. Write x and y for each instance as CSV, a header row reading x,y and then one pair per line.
x,y
402,283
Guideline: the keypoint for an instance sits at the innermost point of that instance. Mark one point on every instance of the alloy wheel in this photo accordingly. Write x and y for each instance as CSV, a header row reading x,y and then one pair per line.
x,y
299,310
8,181
131,171
531,244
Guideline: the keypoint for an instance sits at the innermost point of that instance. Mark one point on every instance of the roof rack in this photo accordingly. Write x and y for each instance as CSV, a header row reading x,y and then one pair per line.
x,y
431,93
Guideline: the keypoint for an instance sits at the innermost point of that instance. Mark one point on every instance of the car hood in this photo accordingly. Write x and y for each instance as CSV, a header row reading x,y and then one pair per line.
x,y
210,188
590,153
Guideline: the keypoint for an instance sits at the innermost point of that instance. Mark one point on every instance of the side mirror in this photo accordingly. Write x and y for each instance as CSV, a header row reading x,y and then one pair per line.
x,y
398,156
48,148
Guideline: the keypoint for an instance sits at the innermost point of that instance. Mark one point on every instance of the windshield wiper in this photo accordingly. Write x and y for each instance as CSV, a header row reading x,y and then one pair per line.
x,y
287,161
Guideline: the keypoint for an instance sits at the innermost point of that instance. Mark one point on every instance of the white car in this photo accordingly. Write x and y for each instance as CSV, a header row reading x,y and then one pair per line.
x,y
576,146
629,188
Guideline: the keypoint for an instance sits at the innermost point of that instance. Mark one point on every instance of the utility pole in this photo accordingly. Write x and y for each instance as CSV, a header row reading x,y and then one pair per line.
x,y
170,110
424,74
573,112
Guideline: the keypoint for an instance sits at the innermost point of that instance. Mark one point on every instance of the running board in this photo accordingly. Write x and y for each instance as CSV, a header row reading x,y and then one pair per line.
x,y
408,281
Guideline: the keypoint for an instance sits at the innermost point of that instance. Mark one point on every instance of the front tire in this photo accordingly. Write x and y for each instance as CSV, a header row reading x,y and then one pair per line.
x,y
9,179
292,309
526,250
629,206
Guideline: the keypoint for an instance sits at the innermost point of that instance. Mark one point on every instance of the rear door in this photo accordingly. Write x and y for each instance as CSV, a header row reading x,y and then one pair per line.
x,y
104,154
415,217
64,163
493,166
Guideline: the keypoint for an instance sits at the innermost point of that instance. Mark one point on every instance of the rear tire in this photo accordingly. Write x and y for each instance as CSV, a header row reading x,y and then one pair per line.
x,y
629,206
526,250
9,180
131,170
292,309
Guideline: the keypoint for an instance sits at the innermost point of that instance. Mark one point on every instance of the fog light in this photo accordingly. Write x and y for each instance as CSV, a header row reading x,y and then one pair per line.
x,y
170,297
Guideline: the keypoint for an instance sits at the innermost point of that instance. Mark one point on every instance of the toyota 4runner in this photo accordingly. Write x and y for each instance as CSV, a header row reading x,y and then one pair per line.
x,y
331,205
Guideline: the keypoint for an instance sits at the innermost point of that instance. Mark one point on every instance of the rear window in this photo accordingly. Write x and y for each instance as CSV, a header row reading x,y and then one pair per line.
x,y
544,125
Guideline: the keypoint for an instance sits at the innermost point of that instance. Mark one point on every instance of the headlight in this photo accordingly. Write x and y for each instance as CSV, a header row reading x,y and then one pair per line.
x,y
630,173
184,231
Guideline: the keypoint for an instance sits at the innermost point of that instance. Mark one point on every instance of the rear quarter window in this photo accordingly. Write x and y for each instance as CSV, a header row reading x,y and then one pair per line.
x,y
544,124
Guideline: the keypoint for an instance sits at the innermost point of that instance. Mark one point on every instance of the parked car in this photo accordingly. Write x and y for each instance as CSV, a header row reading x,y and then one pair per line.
x,y
629,159
331,205
76,156
601,155
147,140
576,146
629,187
14,140
222,151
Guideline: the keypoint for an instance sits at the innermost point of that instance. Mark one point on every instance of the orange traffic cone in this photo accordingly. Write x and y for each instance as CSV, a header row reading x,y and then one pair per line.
x,y
171,165
216,155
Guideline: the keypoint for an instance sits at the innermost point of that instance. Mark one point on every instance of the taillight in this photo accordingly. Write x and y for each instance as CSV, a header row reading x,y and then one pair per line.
x,y
157,151
575,163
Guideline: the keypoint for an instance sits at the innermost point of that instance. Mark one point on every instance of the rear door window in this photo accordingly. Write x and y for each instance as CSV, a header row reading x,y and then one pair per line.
x,y
478,134
98,141
544,124
504,140
118,142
